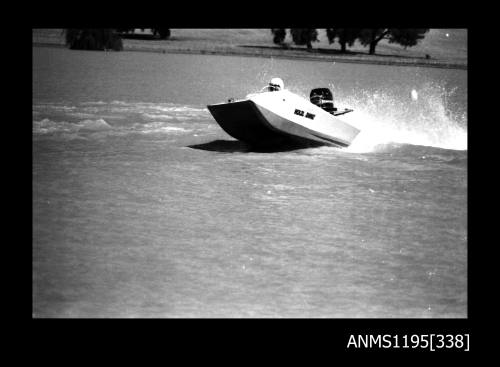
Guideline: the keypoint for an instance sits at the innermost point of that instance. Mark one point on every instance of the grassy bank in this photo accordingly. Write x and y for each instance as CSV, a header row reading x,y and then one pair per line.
x,y
447,48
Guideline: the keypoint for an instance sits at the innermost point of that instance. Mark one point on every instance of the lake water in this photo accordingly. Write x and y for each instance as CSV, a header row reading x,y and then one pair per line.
x,y
144,207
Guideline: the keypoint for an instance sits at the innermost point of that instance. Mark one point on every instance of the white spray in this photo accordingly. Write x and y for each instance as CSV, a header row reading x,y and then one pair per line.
x,y
420,119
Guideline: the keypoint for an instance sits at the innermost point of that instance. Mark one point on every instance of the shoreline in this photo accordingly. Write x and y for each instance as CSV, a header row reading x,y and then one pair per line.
x,y
290,54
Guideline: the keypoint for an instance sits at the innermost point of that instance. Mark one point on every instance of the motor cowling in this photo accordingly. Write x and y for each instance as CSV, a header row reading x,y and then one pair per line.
x,y
323,97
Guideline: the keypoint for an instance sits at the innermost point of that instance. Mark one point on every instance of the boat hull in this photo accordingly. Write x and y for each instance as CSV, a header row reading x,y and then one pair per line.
x,y
271,120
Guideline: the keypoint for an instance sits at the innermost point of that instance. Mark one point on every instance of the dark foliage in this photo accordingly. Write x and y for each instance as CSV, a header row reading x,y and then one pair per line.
x,y
407,37
163,33
93,39
279,35
304,36
345,36
403,36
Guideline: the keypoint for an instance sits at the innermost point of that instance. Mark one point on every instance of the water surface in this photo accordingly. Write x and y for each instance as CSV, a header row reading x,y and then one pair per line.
x,y
144,207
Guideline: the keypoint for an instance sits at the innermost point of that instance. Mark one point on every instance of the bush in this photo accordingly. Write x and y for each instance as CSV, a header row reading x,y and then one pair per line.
x,y
93,39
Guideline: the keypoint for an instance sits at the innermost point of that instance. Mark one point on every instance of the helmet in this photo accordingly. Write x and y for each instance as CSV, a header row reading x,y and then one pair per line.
x,y
276,84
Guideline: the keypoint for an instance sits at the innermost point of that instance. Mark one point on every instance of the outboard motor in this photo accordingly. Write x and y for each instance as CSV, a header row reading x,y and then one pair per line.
x,y
323,97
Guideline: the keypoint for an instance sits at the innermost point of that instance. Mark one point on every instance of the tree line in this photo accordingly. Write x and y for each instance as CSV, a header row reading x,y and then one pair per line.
x,y
104,38
406,37
111,39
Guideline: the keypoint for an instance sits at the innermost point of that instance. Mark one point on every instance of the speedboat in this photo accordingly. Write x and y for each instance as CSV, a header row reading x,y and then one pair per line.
x,y
277,117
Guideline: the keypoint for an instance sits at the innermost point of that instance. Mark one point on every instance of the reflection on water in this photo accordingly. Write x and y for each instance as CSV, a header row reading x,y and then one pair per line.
x,y
143,206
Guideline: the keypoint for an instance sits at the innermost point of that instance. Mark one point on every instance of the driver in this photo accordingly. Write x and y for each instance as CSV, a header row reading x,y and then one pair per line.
x,y
276,84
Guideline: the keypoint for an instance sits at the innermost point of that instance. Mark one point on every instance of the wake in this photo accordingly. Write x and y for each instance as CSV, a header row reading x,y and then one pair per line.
x,y
422,118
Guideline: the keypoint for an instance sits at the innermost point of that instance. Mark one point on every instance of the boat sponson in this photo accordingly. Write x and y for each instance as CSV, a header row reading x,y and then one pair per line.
x,y
243,121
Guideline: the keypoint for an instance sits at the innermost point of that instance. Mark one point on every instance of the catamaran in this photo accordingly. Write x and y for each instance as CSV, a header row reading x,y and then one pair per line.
x,y
276,117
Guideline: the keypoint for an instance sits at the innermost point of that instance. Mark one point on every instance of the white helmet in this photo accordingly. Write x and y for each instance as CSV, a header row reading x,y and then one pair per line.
x,y
276,84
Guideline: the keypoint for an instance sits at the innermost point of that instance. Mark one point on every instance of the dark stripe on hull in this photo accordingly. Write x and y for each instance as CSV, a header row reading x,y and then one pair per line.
x,y
335,142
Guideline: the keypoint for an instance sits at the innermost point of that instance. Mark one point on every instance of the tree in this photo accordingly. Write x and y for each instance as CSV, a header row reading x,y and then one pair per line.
x,y
93,39
164,33
346,36
304,36
279,35
405,37
371,37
